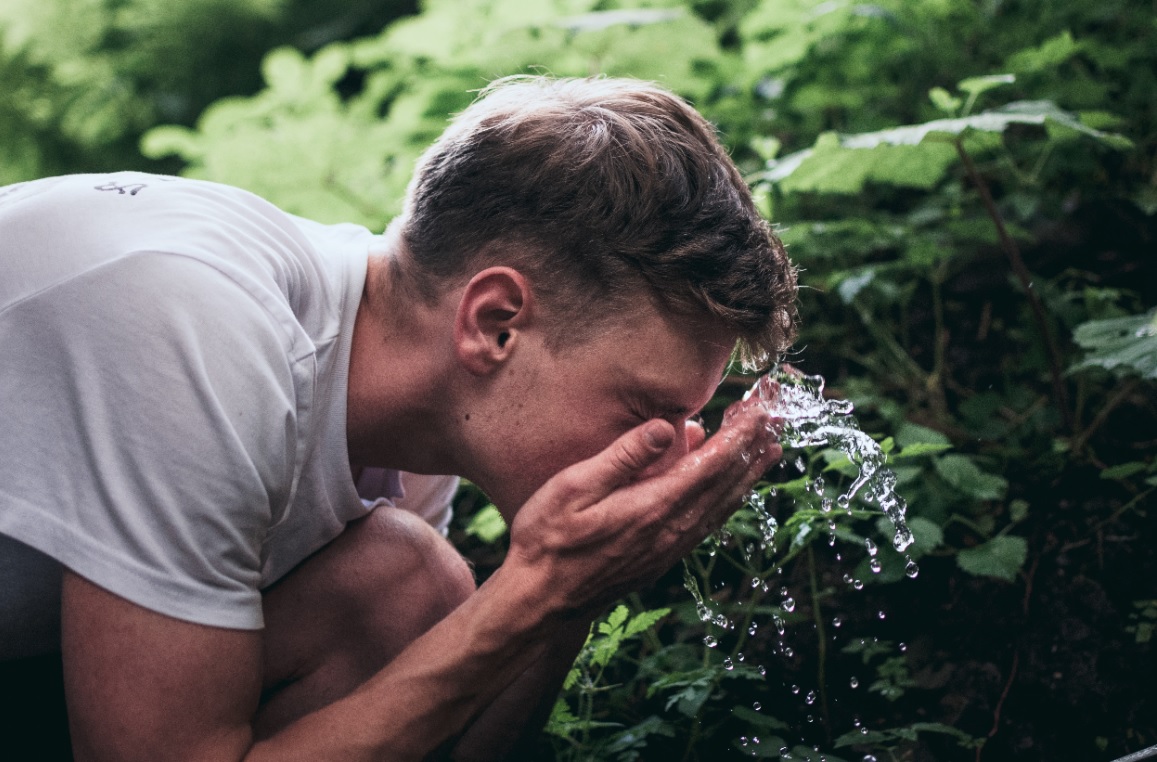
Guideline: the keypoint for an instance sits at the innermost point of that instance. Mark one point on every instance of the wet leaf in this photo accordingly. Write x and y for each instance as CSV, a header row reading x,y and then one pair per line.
x,y
1122,345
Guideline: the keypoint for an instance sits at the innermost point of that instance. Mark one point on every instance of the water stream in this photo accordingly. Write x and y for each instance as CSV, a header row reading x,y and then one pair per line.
x,y
810,420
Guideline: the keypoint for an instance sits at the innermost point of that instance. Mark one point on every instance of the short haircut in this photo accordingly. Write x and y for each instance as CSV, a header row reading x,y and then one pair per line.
x,y
605,192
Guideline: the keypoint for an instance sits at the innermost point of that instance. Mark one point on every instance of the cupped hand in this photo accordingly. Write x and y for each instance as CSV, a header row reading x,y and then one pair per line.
x,y
602,528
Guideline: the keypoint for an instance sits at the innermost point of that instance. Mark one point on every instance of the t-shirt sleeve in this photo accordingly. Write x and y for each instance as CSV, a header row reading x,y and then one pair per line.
x,y
150,434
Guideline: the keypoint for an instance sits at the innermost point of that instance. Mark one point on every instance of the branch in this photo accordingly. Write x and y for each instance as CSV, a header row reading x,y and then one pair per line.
x,y
1010,249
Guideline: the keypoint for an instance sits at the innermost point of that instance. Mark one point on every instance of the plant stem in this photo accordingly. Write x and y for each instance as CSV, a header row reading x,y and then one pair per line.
x,y
1082,439
1022,274
822,642
935,381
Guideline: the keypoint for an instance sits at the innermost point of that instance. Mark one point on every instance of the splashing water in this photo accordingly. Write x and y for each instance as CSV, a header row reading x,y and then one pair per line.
x,y
809,420
805,419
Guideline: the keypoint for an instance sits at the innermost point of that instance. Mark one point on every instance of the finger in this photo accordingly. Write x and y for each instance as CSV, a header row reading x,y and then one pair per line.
x,y
627,457
742,444
695,434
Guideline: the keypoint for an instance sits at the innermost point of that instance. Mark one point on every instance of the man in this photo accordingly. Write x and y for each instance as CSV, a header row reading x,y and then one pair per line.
x,y
189,378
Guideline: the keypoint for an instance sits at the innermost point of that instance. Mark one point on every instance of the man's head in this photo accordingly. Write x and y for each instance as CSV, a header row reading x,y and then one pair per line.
x,y
610,195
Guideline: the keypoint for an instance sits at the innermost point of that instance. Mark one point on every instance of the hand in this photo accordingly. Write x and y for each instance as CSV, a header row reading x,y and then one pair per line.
x,y
597,530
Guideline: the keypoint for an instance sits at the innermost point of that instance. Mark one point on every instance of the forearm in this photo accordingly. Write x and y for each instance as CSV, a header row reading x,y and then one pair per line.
x,y
432,691
512,722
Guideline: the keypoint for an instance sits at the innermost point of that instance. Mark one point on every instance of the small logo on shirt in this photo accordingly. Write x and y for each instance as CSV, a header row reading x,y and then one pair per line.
x,y
131,189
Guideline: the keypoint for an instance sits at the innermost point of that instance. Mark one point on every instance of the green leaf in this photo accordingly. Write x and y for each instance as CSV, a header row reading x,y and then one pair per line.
x,y
913,433
1047,55
963,738
976,86
758,719
1001,557
920,448
1123,470
916,155
964,475
944,101
856,738
928,536
645,621
487,525
1122,345
615,619
562,720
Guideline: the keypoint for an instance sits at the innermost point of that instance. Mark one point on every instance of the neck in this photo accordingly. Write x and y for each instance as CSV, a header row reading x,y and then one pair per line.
x,y
401,369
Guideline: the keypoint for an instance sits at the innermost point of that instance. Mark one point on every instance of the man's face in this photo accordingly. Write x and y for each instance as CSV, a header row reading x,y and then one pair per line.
x,y
555,409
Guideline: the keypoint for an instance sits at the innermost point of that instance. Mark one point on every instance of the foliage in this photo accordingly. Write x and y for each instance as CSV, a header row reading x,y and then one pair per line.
x,y
83,79
970,191
1124,345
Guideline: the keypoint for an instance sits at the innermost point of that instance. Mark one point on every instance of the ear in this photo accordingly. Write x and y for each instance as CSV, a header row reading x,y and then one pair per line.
x,y
495,310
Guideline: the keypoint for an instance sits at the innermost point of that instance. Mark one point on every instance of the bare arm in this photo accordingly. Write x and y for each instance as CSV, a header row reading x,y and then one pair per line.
x,y
142,686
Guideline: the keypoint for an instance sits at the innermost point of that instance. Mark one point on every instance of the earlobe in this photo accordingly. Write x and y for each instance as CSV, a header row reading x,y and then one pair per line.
x,y
494,309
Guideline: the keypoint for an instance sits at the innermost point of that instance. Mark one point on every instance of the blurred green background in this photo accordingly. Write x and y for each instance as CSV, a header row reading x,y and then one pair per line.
x,y
970,189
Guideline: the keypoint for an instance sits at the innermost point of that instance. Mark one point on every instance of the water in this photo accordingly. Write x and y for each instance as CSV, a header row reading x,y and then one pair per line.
x,y
809,420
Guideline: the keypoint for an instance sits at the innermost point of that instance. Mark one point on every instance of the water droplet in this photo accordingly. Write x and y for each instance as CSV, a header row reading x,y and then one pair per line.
x,y
751,630
710,641
795,689
871,546
728,664
811,697
854,682
869,758
799,466
784,753
739,656
788,651
911,569
811,718
903,647
837,621
875,566
762,671
881,614
757,706
863,731
858,584
788,605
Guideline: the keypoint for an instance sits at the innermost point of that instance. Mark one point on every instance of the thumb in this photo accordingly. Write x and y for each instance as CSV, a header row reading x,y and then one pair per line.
x,y
626,458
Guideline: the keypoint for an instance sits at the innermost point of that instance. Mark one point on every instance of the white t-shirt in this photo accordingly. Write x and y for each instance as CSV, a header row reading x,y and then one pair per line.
x,y
173,366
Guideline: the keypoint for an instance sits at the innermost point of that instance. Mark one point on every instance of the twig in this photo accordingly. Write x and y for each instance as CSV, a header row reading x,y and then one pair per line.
x,y
1022,274
1000,702
1103,414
